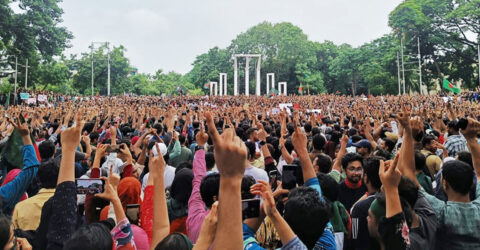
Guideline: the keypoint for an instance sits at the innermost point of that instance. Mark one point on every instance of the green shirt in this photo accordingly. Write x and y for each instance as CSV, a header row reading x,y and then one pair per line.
x,y
337,176
184,156
458,222
425,182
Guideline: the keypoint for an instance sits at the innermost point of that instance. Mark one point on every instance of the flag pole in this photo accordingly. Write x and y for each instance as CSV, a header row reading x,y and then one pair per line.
x,y
478,47
398,72
403,66
420,66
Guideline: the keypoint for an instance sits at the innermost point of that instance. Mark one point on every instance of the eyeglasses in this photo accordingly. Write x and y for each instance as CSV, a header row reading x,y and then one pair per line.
x,y
358,170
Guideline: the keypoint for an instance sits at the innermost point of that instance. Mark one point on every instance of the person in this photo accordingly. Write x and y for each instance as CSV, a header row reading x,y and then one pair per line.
x,y
364,147
318,144
27,213
11,193
177,204
352,188
432,161
8,240
185,153
455,141
359,212
420,168
456,217
256,173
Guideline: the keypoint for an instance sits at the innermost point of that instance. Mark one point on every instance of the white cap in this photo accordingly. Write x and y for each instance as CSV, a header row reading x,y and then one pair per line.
x,y
162,147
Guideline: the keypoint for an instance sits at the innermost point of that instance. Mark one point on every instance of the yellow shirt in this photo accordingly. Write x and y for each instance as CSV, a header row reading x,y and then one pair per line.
x,y
27,213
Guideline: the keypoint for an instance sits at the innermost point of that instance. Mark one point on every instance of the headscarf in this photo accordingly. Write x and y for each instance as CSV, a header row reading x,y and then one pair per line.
x,y
129,191
181,188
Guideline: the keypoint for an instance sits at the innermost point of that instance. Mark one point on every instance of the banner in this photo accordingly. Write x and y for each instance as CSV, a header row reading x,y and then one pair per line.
x,y
24,96
42,98
31,101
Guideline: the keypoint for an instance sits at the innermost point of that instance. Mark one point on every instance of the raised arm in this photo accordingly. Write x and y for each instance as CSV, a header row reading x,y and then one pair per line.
x,y
406,162
231,159
161,224
14,190
470,133
299,141
343,150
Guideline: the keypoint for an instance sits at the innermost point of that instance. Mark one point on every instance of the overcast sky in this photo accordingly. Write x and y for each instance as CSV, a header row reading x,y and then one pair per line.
x,y
168,35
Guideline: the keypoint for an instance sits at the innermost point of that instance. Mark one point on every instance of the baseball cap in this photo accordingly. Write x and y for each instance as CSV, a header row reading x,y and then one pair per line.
x,y
362,144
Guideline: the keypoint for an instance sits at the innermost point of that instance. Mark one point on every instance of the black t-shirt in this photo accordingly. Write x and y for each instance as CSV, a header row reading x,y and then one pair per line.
x,y
348,196
360,236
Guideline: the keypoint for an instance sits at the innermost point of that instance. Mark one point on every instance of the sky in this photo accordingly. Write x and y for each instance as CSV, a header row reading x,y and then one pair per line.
x,y
168,35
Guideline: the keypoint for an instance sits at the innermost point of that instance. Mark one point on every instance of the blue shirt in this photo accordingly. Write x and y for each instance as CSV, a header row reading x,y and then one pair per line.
x,y
14,190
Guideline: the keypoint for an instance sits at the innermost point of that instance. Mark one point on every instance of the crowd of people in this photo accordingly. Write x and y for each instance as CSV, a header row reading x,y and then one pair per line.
x,y
290,172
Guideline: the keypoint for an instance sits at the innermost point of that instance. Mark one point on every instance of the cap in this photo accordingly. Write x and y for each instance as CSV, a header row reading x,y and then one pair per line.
x,y
362,144
135,139
162,147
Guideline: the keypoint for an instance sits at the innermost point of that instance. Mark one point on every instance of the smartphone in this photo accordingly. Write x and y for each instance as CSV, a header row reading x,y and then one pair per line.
x,y
273,176
133,213
90,186
113,149
250,208
289,176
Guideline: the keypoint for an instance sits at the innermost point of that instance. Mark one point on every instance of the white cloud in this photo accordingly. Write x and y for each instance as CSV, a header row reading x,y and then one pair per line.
x,y
170,34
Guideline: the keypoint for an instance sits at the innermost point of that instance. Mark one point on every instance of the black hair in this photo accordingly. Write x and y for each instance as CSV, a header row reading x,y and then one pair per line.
x,y
181,138
268,129
318,142
209,160
389,143
182,165
175,241
46,149
371,166
406,208
5,227
382,153
95,236
466,157
94,136
329,186
209,187
324,163
247,182
158,127
48,173
427,140
289,145
408,190
181,188
88,127
420,160
251,148
307,127
459,176
240,133
351,157
306,214
315,130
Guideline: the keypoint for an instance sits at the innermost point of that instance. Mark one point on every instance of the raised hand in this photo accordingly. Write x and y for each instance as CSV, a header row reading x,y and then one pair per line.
x,y
230,151
472,129
22,128
201,137
390,175
404,117
263,189
71,137
156,164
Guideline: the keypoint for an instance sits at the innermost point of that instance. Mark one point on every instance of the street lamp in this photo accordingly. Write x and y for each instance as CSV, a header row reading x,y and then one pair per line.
x,y
108,63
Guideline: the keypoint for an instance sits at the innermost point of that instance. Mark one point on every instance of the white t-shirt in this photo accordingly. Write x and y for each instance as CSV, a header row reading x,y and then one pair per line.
x,y
169,175
256,173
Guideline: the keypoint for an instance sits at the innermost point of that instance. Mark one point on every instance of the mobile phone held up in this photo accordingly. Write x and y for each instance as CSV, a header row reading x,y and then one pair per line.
x,y
90,186
250,208
289,176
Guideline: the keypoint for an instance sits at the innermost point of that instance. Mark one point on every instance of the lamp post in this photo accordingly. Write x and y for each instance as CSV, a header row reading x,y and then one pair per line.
x,y
108,63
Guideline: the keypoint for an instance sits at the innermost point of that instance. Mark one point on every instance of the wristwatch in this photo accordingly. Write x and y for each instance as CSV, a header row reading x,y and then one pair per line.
x,y
198,147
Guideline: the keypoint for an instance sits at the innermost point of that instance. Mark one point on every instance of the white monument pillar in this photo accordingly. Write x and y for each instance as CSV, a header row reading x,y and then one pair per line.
x,y
284,86
235,76
270,81
223,83
247,77
257,81
216,88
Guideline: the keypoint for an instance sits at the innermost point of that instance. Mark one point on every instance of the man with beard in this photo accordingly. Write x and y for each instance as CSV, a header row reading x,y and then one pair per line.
x,y
352,188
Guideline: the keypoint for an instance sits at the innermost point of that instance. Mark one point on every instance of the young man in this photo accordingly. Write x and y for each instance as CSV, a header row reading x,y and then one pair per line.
x,y
360,237
352,188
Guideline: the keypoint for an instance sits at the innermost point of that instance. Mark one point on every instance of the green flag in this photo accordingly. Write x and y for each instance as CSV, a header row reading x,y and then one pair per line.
x,y
448,86
206,85
272,93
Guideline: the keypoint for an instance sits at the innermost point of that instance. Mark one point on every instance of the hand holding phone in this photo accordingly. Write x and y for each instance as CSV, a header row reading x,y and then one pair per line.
x,y
90,186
